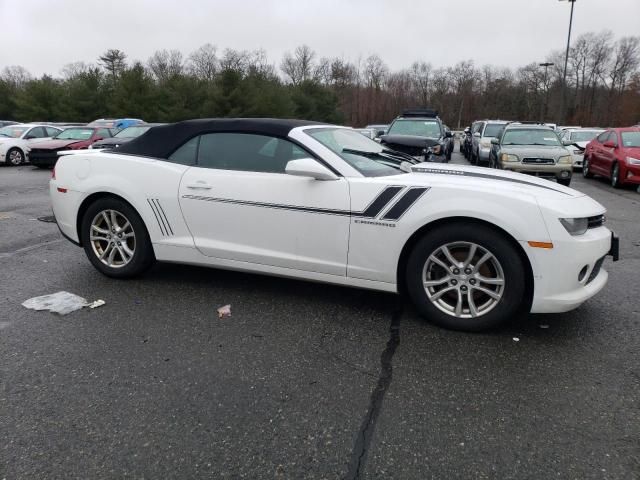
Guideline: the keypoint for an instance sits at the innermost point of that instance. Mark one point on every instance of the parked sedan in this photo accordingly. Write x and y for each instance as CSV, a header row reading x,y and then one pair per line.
x,y
533,149
45,154
115,123
577,140
302,199
16,140
614,154
123,136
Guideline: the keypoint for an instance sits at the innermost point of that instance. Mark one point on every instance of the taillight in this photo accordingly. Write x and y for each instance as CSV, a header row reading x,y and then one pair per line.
x,y
53,173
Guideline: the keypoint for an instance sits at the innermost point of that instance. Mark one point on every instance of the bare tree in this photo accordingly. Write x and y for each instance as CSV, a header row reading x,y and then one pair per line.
x,y
421,81
298,66
165,64
203,63
236,60
375,72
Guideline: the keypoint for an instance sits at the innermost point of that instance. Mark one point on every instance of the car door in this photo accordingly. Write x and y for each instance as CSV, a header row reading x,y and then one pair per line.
x,y
239,204
608,154
595,156
35,134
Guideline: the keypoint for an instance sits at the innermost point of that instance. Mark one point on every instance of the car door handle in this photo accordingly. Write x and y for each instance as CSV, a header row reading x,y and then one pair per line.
x,y
199,186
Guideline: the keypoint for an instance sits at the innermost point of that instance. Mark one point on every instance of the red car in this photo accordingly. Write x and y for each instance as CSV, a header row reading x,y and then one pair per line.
x,y
614,154
45,154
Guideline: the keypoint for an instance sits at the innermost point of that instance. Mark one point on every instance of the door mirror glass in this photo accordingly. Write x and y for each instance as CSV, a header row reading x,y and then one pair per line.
x,y
495,141
566,142
477,134
308,167
448,134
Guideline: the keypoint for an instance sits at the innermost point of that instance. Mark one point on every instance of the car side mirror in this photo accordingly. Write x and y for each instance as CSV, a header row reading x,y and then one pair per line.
x,y
495,141
566,143
30,137
379,133
448,134
609,144
308,167
477,134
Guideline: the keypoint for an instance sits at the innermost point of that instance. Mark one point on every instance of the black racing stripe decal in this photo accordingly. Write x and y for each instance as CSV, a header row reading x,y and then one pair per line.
x,y
380,202
482,175
405,202
295,208
155,214
166,229
164,215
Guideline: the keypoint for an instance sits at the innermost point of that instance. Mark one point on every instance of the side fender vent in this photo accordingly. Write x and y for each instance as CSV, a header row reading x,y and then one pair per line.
x,y
161,217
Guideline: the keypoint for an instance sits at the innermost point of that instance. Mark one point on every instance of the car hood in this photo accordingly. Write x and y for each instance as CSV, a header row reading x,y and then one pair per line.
x,y
479,178
55,144
534,150
409,140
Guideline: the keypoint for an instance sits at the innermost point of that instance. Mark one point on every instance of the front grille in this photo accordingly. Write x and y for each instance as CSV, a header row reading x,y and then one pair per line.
x,y
595,222
595,271
413,151
35,153
539,161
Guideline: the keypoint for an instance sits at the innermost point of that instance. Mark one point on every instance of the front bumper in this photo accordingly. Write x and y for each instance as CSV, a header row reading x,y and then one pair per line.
x,y
632,175
546,171
43,159
578,159
570,273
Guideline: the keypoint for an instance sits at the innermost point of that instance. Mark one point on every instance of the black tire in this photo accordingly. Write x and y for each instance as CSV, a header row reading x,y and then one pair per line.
x,y
586,172
449,152
564,181
18,157
142,257
513,291
615,176
473,160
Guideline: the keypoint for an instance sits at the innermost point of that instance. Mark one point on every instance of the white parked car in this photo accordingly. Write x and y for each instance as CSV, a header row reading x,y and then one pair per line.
x,y
15,140
471,246
576,140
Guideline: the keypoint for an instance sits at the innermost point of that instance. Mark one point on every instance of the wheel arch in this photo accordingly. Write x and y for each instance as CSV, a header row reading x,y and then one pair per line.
x,y
14,147
87,202
439,223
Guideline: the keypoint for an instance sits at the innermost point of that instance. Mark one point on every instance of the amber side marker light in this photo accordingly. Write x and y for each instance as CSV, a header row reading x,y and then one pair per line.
x,y
540,244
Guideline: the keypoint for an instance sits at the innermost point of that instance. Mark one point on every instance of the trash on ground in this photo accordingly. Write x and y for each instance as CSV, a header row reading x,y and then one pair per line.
x,y
224,311
516,339
59,302
544,326
97,303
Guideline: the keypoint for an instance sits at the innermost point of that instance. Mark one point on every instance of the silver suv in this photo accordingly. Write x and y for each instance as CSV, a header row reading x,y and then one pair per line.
x,y
532,149
481,134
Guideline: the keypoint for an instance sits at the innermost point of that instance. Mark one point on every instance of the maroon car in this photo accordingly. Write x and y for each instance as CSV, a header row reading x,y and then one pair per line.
x,y
45,154
614,154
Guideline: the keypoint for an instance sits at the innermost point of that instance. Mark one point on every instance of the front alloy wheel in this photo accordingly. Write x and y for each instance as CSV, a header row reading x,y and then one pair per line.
x,y
467,276
463,279
615,176
15,157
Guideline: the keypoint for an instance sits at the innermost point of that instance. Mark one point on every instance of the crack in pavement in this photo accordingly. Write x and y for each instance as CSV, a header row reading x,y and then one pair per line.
x,y
365,434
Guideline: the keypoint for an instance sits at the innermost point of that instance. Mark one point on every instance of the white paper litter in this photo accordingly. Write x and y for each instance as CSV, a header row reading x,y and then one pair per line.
x,y
224,311
516,339
97,303
59,302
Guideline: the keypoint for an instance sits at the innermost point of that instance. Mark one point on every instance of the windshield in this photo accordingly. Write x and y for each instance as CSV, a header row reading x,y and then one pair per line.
x,y
415,127
523,136
493,129
131,132
75,134
360,151
102,123
631,139
584,135
12,132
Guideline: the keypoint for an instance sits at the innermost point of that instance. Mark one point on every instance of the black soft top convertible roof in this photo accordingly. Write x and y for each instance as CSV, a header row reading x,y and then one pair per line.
x,y
162,141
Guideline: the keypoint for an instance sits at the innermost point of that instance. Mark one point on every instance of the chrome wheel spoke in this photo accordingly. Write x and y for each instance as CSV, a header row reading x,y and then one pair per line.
x,y
490,281
106,250
486,291
97,238
472,304
437,261
483,260
437,295
114,220
458,310
113,238
447,253
107,220
472,253
434,283
103,231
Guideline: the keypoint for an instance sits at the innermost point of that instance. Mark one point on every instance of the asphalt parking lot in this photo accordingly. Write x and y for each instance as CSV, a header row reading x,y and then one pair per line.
x,y
303,380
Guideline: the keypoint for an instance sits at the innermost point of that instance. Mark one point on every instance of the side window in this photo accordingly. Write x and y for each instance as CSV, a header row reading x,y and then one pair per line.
x,y
613,137
37,132
186,154
602,137
246,152
52,132
103,132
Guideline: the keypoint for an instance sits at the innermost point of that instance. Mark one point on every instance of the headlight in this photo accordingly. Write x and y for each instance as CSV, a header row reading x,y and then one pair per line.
x,y
565,159
506,157
575,226
633,161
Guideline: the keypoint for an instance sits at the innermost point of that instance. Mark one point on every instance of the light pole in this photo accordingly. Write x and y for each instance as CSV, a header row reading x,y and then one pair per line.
x,y
566,61
543,108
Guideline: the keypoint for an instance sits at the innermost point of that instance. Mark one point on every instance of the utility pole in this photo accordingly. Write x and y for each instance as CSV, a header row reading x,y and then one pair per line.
x,y
566,61
543,107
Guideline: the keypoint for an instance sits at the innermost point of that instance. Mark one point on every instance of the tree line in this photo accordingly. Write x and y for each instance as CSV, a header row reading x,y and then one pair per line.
x,y
602,87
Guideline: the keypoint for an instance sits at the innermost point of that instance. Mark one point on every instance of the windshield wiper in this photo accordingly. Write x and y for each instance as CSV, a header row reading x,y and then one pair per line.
x,y
383,157
543,145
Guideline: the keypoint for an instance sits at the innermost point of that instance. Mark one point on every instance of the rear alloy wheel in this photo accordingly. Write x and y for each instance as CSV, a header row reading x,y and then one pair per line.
x,y
115,239
466,279
586,173
15,157
615,176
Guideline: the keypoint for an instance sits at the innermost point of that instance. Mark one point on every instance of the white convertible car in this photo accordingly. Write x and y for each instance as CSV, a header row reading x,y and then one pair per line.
x,y
471,247
16,140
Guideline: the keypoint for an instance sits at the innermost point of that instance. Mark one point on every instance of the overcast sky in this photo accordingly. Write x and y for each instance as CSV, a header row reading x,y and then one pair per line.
x,y
44,35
